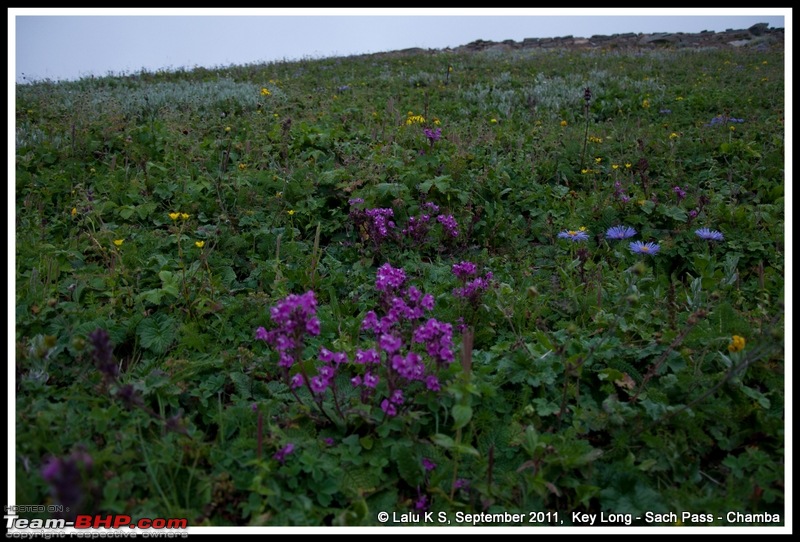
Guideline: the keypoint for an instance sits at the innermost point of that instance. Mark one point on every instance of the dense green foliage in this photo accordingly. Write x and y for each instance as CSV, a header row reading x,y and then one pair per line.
x,y
586,377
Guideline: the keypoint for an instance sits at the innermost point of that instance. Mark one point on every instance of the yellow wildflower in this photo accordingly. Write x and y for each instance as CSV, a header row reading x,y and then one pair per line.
x,y
679,98
74,211
185,216
563,123
627,165
227,128
737,344
582,228
598,160
174,216
199,244
732,128
265,91
291,212
645,103
119,242
673,135
242,167
614,166
493,121
279,195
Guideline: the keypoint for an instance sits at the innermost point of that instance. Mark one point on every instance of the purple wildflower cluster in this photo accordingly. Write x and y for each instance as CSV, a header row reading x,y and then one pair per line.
x,y
449,223
433,135
377,225
619,192
680,193
403,325
403,334
280,455
374,224
473,286
295,316
65,476
418,226
380,222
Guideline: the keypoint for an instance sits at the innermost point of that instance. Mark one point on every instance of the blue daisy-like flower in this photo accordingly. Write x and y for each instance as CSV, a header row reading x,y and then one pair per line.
x,y
574,235
710,235
639,247
620,232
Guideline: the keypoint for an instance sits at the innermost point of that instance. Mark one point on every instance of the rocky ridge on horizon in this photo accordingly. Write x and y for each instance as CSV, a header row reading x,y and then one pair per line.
x,y
758,35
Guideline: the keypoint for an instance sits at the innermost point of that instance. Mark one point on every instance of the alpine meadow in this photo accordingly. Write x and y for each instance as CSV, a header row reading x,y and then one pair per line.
x,y
501,287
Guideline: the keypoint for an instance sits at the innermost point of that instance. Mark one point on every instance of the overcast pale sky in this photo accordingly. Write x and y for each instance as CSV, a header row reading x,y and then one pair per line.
x,y
70,43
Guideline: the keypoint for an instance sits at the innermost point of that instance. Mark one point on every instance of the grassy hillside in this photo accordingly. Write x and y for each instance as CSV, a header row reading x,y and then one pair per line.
x,y
304,293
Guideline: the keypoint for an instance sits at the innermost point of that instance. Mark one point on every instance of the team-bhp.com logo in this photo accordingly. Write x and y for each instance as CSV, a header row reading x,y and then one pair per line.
x,y
95,522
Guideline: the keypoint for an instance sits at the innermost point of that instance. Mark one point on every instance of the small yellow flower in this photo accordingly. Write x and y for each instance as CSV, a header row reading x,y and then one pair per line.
x,y
646,103
118,242
242,167
291,212
74,211
598,160
642,201
764,79
493,121
436,121
92,170
582,228
279,195
563,123
765,62
614,166
265,91
737,344
227,128
679,99
732,128
627,165
450,69
673,135
185,216
199,244
174,216
584,171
